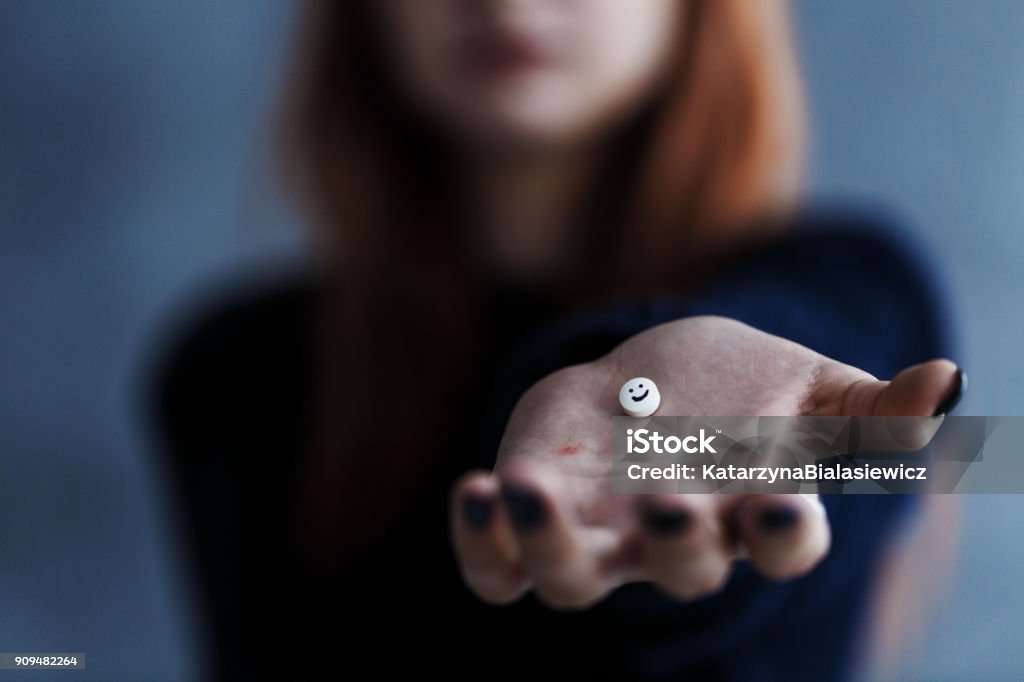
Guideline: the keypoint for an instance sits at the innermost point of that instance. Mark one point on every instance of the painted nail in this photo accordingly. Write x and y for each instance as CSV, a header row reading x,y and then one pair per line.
x,y
666,522
778,519
524,508
477,511
950,403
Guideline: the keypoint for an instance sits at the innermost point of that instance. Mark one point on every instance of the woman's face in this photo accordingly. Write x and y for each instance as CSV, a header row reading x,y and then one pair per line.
x,y
514,73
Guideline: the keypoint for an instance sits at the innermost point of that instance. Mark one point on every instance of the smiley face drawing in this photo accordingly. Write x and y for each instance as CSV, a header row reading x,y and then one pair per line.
x,y
639,397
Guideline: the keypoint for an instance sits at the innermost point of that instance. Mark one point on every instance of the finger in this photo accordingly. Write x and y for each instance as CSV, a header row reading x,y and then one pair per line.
x,y
925,390
484,546
919,391
922,390
686,550
786,535
560,556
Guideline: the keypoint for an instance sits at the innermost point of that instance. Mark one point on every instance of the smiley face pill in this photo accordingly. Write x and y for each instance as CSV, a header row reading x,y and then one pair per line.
x,y
639,397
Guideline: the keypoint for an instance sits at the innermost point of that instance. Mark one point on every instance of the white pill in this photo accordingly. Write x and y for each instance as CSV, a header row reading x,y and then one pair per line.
x,y
639,397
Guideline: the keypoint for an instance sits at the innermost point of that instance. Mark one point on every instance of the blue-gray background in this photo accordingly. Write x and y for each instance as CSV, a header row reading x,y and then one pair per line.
x,y
131,154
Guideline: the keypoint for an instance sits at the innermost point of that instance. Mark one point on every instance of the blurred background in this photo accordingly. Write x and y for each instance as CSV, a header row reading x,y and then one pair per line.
x,y
134,176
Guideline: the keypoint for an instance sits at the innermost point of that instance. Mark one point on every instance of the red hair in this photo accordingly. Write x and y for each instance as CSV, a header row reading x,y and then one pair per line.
x,y
714,159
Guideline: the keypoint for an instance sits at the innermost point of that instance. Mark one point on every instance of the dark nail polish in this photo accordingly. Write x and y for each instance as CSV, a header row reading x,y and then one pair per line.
x,y
950,403
524,508
778,519
477,511
666,521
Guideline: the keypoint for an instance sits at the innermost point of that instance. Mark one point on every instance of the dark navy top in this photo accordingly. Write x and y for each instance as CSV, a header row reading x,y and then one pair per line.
x,y
234,405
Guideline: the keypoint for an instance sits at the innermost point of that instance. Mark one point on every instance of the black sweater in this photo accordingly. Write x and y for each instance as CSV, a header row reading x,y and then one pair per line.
x,y
234,405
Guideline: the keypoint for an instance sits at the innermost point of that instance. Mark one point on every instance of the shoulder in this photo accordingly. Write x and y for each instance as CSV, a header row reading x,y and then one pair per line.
x,y
862,283
839,239
875,255
235,365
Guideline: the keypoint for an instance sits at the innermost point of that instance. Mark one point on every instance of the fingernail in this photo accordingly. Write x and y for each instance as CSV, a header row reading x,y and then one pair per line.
x,y
666,521
477,511
950,403
778,519
524,508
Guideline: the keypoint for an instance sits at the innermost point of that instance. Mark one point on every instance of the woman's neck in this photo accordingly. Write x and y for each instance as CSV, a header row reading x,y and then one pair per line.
x,y
523,208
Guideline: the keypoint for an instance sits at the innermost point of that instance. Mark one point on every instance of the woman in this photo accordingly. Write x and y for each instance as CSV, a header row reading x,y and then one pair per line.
x,y
522,204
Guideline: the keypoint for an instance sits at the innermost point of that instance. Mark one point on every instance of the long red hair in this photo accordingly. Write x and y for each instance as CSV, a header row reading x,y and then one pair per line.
x,y
716,157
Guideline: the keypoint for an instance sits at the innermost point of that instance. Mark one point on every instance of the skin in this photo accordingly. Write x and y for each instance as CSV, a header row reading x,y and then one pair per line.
x,y
527,127
594,541
527,124
528,76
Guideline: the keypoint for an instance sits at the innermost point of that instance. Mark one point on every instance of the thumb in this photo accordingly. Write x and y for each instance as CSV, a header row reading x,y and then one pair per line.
x,y
927,390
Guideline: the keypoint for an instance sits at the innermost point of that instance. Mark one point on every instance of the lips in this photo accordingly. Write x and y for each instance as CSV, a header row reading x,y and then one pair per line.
x,y
638,398
500,52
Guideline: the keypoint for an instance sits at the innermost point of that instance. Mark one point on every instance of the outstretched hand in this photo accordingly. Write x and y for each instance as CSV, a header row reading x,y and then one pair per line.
x,y
546,518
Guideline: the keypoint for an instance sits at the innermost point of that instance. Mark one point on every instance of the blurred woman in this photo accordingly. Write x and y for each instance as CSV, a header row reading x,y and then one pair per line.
x,y
518,205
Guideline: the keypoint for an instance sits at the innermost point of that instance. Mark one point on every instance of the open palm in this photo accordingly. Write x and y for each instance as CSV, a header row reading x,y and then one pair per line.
x,y
546,518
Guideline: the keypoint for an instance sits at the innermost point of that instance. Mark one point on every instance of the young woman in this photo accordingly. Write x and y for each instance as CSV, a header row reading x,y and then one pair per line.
x,y
519,205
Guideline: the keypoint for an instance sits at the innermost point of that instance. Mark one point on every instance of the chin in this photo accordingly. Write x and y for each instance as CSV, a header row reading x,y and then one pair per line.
x,y
525,130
